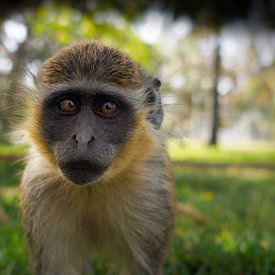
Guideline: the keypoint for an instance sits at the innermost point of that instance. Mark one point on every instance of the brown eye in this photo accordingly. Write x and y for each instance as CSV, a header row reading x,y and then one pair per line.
x,y
68,106
108,108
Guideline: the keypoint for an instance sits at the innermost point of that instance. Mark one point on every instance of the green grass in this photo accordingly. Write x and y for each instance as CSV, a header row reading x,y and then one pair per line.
x,y
204,154
240,237
238,202
13,255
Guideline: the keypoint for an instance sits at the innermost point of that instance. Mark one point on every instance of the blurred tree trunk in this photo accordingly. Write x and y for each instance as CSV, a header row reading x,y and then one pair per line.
x,y
215,103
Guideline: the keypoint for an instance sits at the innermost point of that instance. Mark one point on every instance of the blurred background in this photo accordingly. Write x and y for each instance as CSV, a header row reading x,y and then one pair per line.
x,y
216,61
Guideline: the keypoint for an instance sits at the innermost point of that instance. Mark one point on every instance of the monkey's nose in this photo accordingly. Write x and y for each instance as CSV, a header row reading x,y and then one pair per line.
x,y
83,139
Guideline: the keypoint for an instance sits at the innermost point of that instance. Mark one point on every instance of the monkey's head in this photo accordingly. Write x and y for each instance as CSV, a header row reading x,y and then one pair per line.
x,y
97,112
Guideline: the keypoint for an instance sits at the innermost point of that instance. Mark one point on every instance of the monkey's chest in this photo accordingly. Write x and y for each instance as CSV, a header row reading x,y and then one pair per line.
x,y
115,224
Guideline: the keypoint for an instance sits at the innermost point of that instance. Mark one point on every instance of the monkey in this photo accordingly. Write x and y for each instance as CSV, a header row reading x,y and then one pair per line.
x,y
97,178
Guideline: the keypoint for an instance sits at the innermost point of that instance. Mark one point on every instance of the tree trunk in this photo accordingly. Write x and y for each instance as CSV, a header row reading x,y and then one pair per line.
x,y
215,103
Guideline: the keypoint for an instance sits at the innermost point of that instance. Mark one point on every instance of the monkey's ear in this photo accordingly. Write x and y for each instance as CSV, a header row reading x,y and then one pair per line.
x,y
153,99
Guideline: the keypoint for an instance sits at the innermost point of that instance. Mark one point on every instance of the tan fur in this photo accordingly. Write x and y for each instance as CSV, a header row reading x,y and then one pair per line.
x,y
121,70
119,216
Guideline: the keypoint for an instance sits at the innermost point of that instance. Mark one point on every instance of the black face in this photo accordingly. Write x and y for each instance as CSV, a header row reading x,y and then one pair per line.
x,y
85,131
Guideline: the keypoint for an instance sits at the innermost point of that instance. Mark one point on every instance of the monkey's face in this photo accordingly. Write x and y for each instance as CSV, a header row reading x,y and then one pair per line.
x,y
97,112
86,130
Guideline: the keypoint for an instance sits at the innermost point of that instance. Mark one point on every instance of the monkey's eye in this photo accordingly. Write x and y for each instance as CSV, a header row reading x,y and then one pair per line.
x,y
68,106
108,108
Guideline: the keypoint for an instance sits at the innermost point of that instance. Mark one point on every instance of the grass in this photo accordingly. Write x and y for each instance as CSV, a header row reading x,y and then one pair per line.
x,y
13,256
239,239
202,154
238,202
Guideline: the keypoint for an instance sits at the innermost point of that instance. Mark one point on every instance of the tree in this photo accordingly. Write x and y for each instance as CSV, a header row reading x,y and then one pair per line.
x,y
213,14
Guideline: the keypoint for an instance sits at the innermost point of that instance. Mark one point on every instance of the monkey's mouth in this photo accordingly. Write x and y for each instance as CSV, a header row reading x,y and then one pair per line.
x,y
82,172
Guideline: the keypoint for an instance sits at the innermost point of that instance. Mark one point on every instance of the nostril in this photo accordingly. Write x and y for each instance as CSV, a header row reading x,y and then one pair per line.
x,y
92,138
74,137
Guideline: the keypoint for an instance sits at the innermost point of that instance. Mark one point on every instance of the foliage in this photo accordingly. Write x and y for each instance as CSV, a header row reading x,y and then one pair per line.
x,y
258,97
7,149
211,13
61,25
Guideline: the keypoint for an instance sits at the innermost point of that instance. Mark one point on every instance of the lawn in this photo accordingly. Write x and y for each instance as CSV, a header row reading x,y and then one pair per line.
x,y
225,155
238,203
